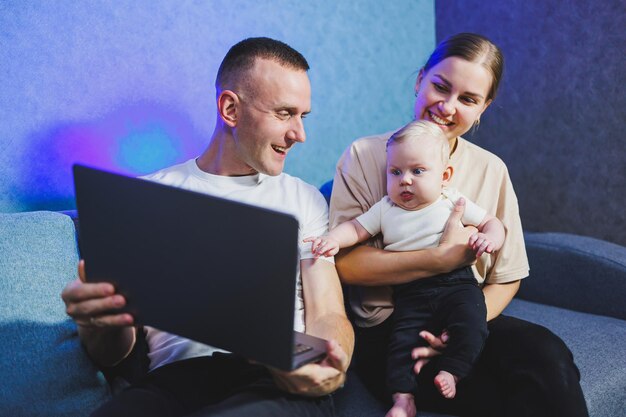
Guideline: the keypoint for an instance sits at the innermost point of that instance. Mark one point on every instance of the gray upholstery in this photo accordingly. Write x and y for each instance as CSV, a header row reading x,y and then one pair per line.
x,y
577,289
597,343
577,273
44,370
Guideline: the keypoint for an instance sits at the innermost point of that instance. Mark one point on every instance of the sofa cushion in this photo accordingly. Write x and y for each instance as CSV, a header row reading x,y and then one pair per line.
x,y
45,371
576,272
597,343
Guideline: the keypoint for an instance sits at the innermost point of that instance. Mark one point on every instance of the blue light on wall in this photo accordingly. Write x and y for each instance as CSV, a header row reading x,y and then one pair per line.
x,y
128,86
147,148
145,138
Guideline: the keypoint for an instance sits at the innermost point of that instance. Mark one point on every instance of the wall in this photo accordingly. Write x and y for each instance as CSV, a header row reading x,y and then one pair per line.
x,y
128,85
559,117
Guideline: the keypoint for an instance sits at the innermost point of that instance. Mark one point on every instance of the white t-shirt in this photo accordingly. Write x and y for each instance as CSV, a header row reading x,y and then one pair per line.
x,y
406,230
281,193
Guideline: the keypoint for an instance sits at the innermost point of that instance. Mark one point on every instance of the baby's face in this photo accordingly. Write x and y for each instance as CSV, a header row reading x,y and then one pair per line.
x,y
415,174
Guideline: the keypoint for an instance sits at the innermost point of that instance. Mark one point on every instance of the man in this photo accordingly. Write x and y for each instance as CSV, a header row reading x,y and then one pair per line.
x,y
263,94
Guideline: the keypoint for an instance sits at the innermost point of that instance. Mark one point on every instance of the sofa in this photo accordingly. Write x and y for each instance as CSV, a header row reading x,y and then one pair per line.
x,y
577,288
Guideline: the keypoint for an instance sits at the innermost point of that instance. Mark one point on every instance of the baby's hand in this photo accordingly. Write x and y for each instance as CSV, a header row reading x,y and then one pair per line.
x,y
323,245
480,243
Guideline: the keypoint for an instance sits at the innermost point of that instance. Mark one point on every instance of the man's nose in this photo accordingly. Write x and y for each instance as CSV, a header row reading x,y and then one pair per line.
x,y
296,131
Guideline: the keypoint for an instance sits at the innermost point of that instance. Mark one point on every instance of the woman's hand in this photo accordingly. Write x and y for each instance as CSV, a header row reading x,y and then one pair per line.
x,y
454,240
423,354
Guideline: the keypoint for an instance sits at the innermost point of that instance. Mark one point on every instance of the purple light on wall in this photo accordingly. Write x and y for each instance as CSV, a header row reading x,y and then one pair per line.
x,y
133,140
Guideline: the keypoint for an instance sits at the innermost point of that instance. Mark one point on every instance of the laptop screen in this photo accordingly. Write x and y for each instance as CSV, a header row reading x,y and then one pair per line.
x,y
206,268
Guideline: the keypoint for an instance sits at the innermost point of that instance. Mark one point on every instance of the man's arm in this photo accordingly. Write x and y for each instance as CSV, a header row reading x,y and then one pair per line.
x,y
366,265
325,317
108,338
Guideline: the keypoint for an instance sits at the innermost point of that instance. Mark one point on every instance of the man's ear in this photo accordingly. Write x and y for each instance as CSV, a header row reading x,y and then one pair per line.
x,y
228,107
447,175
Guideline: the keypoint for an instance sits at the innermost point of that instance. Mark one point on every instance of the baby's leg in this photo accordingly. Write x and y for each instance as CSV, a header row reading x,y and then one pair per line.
x,y
403,405
465,314
409,318
446,384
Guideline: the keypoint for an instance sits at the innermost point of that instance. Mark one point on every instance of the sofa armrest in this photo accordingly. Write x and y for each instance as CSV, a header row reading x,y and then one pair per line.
x,y
576,272
45,370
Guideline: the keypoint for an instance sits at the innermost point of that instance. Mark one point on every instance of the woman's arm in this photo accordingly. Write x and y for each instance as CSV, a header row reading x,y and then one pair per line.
x,y
366,265
498,296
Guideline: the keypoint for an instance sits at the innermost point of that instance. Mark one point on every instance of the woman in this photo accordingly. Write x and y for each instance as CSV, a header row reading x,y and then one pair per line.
x,y
524,369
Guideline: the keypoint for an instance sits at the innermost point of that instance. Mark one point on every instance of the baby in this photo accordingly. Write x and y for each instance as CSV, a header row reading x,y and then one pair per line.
x,y
410,217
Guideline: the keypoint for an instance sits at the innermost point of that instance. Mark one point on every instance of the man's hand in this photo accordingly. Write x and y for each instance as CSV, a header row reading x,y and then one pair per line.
x,y
316,379
108,337
422,355
90,304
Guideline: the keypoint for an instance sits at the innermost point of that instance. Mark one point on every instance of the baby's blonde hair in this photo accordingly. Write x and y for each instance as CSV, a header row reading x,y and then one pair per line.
x,y
423,130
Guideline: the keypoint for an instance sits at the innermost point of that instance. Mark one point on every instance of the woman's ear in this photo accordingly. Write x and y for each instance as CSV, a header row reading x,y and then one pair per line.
x,y
227,107
418,81
447,175
487,103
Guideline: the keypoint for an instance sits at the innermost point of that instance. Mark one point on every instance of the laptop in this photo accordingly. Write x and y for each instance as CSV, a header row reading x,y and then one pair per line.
x,y
206,268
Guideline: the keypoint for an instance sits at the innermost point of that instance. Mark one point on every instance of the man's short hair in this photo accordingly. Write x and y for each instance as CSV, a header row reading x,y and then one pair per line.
x,y
240,58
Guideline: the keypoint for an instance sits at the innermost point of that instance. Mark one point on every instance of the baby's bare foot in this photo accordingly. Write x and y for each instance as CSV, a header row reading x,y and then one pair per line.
x,y
446,384
403,405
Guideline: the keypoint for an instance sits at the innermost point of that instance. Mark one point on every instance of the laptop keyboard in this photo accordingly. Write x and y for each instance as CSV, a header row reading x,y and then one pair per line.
x,y
300,348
